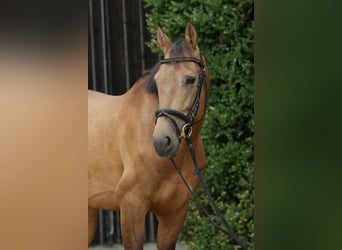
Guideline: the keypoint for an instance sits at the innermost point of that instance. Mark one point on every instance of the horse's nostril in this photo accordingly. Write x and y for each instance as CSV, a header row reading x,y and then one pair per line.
x,y
165,146
168,140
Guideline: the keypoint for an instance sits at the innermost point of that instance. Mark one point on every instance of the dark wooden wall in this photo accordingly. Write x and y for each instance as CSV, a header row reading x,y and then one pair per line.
x,y
117,51
117,57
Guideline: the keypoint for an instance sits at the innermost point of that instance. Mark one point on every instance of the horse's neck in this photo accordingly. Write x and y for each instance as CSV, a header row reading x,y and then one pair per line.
x,y
137,95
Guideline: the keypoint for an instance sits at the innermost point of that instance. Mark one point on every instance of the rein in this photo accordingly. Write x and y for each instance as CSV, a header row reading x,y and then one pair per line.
x,y
185,132
227,230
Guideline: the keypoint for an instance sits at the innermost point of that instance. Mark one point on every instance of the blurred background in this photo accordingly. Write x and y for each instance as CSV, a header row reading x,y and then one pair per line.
x,y
43,118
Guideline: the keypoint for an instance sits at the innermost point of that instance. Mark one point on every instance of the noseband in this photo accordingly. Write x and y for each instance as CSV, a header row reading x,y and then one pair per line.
x,y
189,118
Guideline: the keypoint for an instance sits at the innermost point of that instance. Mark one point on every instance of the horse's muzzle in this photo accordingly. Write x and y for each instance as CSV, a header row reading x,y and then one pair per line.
x,y
165,146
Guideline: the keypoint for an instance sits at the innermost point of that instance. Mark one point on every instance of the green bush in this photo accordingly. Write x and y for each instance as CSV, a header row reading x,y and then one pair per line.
x,y
226,36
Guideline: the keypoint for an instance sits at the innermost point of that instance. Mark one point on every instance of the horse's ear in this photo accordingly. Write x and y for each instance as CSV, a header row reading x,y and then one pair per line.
x,y
163,41
191,36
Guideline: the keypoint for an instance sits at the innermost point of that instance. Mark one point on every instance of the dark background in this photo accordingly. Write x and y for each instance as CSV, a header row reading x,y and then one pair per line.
x,y
117,51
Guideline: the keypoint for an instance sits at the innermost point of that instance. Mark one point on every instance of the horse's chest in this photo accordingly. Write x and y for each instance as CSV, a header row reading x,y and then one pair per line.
x,y
170,196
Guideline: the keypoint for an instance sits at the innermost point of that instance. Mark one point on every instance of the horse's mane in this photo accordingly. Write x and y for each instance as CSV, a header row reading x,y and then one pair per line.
x,y
151,86
178,49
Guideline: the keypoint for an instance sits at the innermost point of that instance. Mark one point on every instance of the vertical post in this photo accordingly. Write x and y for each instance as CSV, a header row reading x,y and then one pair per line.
x,y
100,222
110,228
141,27
125,43
152,229
117,227
92,44
108,48
104,46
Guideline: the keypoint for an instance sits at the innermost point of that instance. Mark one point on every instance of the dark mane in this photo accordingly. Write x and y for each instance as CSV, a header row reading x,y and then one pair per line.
x,y
148,76
178,49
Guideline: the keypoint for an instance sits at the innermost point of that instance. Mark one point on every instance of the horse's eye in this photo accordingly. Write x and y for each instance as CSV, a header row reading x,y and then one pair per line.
x,y
189,80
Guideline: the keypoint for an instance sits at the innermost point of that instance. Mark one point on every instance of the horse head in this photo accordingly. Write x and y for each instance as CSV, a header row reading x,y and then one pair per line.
x,y
180,81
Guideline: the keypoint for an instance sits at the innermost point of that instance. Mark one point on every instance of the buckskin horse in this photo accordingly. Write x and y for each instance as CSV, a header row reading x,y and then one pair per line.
x,y
132,137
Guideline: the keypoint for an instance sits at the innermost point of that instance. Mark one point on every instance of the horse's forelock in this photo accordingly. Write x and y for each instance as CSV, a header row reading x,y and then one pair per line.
x,y
179,48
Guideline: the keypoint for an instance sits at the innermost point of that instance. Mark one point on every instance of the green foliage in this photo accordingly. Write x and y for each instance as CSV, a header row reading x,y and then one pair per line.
x,y
226,36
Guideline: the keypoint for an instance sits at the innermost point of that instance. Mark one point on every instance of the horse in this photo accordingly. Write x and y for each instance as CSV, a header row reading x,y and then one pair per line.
x,y
132,137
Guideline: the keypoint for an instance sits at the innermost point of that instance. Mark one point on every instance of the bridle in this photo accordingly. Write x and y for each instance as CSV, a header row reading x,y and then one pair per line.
x,y
186,130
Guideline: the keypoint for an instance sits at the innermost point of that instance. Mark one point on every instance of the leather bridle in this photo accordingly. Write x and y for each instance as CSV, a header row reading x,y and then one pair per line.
x,y
186,130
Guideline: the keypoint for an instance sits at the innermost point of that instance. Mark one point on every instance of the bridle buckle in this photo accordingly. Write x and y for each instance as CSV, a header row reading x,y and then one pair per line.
x,y
186,131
